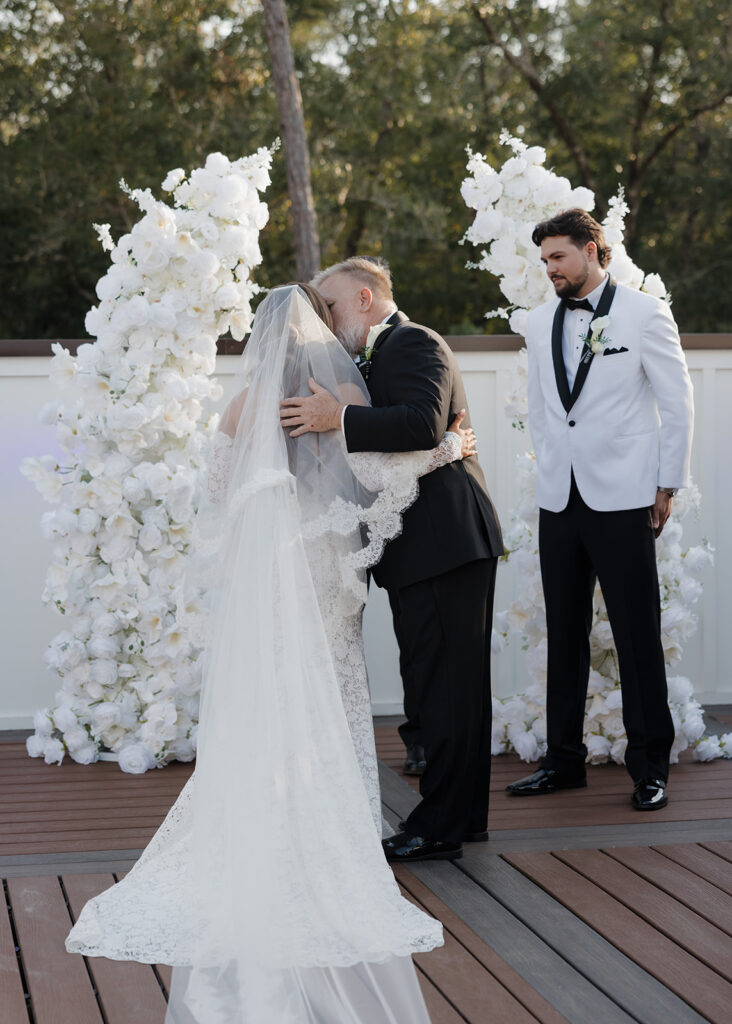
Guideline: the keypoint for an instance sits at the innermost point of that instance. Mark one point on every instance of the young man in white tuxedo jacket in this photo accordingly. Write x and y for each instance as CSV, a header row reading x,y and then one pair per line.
x,y
611,417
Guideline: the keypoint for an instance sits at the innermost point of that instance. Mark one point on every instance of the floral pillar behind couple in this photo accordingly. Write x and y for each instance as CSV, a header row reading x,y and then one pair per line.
x,y
133,435
508,204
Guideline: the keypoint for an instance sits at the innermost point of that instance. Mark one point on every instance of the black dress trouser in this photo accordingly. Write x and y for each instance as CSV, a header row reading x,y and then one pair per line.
x,y
409,730
444,631
577,547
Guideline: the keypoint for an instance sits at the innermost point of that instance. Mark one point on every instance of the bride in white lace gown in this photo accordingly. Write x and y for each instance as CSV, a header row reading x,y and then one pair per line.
x,y
266,887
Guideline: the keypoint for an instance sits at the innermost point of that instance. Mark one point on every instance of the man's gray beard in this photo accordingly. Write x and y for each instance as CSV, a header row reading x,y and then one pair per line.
x,y
351,337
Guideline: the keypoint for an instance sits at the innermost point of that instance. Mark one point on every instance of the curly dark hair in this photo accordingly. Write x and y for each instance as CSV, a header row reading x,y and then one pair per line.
x,y
577,225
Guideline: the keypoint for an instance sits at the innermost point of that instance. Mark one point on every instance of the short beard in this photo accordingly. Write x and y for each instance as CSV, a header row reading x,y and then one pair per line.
x,y
350,336
570,289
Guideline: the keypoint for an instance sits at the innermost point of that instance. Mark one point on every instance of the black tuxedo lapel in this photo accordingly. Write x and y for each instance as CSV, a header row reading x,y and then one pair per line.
x,y
394,320
560,370
603,306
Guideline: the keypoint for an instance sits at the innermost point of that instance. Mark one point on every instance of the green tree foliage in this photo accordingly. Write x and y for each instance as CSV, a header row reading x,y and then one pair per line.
x,y
618,92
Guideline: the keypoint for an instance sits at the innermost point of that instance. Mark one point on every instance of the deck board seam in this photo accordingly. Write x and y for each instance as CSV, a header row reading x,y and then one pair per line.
x,y
19,955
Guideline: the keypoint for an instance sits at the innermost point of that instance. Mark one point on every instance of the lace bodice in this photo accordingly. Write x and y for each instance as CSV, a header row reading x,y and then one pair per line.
x,y
219,467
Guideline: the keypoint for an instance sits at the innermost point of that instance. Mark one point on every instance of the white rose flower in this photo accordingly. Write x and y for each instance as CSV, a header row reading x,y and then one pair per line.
x,y
53,751
697,559
64,719
582,197
104,672
598,747
653,285
85,753
617,751
133,489
525,745
614,699
75,736
88,520
517,321
150,538
598,325
102,646
173,179
35,745
42,724
135,758
218,164
707,749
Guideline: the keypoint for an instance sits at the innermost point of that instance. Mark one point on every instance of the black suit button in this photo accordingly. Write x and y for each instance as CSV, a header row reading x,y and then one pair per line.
x,y
571,423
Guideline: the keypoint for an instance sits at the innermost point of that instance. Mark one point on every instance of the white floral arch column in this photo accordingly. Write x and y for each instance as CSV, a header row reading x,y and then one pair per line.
x,y
133,430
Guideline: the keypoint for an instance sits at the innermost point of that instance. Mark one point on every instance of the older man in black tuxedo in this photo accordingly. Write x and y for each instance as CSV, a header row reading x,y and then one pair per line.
x,y
440,572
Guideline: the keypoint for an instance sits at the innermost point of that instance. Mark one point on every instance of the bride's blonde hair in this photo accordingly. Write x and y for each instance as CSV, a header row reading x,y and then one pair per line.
x,y
316,300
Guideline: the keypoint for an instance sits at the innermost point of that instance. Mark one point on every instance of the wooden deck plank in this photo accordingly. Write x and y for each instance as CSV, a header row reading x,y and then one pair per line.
x,y
683,926
474,992
131,839
535,1004
12,996
439,1009
166,975
678,970
59,985
516,919
701,862
703,897
583,960
127,991
723,849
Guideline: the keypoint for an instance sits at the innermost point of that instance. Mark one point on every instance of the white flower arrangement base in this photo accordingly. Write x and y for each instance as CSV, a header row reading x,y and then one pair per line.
x,y
509,202
134,435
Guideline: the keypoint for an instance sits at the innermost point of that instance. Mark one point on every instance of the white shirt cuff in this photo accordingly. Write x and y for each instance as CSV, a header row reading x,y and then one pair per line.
x,y
343,420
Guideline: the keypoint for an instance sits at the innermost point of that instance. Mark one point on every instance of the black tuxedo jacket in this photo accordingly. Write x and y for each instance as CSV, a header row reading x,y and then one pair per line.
x,y
416,390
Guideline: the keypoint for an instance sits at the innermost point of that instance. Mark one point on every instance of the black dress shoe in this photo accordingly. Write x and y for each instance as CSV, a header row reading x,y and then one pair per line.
x,y
649,794
403,848
415,762
469,837
545,780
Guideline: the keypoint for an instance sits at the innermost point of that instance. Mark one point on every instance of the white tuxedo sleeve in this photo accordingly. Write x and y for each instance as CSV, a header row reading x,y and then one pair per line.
x,y
537,411
665,367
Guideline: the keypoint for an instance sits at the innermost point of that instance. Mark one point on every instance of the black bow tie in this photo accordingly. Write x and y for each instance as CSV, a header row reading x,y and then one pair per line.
x,y
579,304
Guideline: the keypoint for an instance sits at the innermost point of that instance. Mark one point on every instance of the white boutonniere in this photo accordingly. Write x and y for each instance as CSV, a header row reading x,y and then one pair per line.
x,y
595,340
374,332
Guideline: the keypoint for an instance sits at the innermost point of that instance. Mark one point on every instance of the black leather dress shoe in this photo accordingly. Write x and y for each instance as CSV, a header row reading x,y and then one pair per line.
x,y
649,795
545,780
403,848
415,762
469,837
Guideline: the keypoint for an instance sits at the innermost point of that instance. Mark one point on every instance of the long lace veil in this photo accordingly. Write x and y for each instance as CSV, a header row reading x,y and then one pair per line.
x,y
267,884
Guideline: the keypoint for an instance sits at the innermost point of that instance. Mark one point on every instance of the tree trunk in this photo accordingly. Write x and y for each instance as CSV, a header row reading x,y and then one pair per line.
x,y
292,123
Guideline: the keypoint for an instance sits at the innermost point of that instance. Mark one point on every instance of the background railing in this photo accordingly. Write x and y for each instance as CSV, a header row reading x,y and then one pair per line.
x,y
486,363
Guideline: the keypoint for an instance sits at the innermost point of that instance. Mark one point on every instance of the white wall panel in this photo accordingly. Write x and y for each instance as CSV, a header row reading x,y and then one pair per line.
x,y
26,626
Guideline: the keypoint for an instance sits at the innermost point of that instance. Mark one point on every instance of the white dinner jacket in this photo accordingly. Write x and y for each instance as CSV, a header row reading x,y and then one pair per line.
x,y
626,428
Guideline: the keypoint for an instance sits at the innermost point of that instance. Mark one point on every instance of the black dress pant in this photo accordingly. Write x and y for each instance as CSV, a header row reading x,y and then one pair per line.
x,y
409,730
576,547
445,633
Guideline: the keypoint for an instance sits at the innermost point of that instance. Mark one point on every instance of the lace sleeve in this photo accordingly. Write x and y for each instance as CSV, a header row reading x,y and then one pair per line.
x,y
372,468
219,468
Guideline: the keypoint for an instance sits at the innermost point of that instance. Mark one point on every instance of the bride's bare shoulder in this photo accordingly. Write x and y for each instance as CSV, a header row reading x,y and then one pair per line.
x,y
232,414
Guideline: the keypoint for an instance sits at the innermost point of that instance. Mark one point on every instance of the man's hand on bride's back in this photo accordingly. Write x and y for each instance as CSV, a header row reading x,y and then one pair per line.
x,y
467,437
321,411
